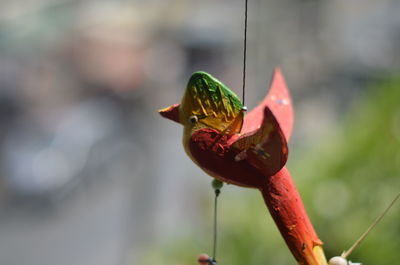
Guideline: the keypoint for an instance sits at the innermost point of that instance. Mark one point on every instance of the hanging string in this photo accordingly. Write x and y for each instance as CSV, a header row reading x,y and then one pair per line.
x,y
204,259
244,51
358,242
214,253
217,185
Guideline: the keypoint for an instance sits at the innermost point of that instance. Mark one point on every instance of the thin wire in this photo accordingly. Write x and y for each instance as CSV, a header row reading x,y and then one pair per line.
x,y
358,242
214,256
244,51
217,191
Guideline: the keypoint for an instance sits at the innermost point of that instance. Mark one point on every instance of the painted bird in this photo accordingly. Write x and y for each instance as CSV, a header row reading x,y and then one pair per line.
x,y
248,150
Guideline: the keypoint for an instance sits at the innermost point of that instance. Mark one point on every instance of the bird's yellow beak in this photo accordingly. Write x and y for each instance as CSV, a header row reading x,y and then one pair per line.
x,y
171,113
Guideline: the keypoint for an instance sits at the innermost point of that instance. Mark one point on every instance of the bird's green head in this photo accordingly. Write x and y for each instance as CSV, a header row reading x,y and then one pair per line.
x,y
207,103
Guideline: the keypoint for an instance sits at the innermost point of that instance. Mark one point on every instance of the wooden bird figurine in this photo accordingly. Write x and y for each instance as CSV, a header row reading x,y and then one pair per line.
x,y
248,150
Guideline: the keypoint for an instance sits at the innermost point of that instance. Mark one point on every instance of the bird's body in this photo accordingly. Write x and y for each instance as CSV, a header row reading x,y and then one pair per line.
x,y
248,151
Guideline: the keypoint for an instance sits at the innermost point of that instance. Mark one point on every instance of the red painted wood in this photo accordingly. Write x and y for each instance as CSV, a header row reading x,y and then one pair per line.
x,y
265,153
211,152
287,210
256,158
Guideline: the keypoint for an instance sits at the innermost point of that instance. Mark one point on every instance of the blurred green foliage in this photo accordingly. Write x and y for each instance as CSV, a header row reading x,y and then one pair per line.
x,y
346,182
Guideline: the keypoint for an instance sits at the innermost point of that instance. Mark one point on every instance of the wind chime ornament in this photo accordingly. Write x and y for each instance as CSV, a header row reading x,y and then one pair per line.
x,y
249,151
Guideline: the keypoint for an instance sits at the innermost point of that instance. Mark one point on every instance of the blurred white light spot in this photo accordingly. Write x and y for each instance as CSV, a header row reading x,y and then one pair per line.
x,y
282,101
331,198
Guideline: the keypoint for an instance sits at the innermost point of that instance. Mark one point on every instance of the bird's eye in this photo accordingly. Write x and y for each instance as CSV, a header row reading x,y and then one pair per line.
x,y
193,119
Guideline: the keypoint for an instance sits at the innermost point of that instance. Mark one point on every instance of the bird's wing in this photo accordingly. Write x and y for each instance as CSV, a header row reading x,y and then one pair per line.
x,y
213,103
279,102
210,150
265,148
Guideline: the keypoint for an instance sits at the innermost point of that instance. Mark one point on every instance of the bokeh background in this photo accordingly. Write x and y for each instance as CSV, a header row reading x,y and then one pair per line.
x,y
90,174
